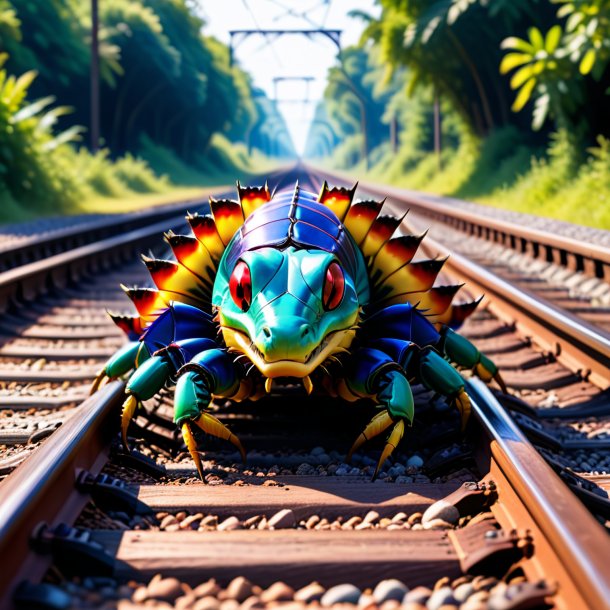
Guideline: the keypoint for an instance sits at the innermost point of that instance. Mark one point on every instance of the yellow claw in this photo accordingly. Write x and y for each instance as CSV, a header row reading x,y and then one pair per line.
x,y
391,444
501,383
191,445
208,423
462,402
376,426
483,373
129,408
100,379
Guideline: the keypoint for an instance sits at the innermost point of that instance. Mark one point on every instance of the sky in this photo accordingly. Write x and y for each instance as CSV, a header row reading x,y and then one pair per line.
x,y
288,56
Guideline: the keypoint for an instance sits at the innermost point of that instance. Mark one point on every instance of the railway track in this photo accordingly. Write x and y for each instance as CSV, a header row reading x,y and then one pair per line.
x,y
483,521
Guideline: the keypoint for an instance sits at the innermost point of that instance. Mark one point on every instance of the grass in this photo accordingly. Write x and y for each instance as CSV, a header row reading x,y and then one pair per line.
x,y
138,201
562,182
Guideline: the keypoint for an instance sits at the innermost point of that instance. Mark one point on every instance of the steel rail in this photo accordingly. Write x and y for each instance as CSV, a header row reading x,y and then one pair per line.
x,y
592,259
580,345
42,487
37,247
563,527
34,279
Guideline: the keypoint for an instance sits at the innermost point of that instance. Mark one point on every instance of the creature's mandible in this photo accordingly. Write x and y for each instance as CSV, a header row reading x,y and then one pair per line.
x,y
314,287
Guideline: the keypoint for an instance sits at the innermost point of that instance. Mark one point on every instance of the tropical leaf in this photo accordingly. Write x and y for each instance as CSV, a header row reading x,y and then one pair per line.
x,y
32,109
524,95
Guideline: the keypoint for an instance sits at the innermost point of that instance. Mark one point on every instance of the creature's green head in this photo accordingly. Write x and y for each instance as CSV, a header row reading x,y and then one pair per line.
x,y
287,309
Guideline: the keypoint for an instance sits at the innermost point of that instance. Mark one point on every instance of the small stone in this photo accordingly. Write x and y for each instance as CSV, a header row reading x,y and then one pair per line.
x,y
346,593
366,601
441,596
414,518
437,524
192,520
471,604
284,519
169,520
229,604
310,593
391,588
278,591
445,581
441,510
186,602
166,589
231,523
351,523
239,588
312,521
479,597
364,526
262,524
395,526
140,595
181,515
463,592
419,595
415,461
252,521
413,606
371,517
252,603
207,589
399,517
484,584
209,521
390,604
207,603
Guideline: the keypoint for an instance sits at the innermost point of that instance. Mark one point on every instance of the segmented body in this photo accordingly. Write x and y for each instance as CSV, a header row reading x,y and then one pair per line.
x,y
317,288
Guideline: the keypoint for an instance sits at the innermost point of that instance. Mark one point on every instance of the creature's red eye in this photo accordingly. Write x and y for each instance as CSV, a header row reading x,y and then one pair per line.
x,y
240,286
334,286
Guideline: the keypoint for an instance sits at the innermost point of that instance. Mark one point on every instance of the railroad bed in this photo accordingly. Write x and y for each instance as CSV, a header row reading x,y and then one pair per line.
x,y
474,521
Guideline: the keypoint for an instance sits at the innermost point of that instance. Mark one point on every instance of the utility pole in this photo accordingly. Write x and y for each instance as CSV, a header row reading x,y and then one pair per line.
x,y
437,131
95,78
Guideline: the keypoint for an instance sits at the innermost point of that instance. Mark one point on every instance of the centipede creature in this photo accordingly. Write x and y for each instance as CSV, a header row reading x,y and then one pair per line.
x,y
320,289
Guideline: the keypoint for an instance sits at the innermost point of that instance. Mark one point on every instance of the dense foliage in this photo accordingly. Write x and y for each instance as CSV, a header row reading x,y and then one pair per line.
x,y
522,87
168,94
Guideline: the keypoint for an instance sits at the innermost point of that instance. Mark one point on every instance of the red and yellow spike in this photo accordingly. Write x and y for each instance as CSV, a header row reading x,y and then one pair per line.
x,y
170,277
228,217
360,216
130,325
252,197
455,315
380,232
438,299
148,302
338,199
193,255
204,229
393,255
414,277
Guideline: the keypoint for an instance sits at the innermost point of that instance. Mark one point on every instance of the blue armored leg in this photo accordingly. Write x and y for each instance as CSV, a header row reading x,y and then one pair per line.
x,y
461,351
152,375
211,372
120,363
377,375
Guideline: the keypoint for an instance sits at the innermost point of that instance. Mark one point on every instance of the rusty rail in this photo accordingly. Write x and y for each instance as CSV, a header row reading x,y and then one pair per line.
x,y
568,542
42,488
37,247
